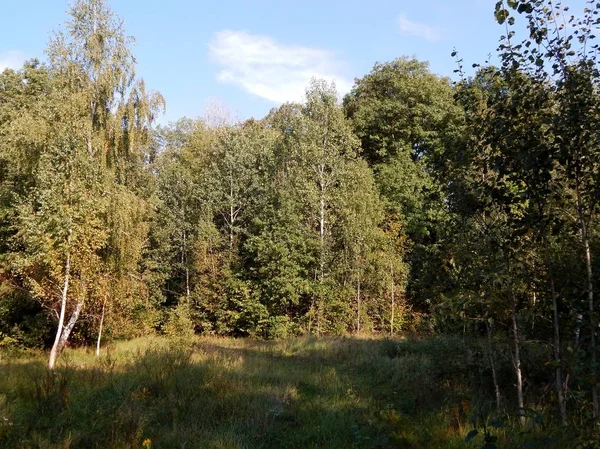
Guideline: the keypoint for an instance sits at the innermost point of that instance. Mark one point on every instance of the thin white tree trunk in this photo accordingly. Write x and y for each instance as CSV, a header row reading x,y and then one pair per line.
x,y
100,327
231,228
358,303
322,230
187,268
63,308
231,213
69,327
393,302
322,245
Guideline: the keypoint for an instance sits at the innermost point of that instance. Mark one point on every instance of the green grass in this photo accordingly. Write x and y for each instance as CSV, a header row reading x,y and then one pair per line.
x,y
228,393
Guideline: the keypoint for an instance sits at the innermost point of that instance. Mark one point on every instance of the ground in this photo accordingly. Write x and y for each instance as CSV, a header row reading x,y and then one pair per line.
x,y
240,393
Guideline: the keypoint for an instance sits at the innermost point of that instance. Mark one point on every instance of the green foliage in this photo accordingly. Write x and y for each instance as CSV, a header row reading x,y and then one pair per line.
x,y
22,321
73,207
405,116
400,106
280,328
179,327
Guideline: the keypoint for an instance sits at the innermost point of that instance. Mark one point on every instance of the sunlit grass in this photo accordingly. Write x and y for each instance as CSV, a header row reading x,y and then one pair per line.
x,y
235,393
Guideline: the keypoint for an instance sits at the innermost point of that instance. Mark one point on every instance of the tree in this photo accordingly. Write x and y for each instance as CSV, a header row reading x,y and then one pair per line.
x,y
561,57
90,131
404,116
60,224
324,145
358,235
400,106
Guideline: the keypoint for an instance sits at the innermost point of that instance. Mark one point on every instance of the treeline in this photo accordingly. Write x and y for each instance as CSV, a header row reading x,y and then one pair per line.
x,y
275,227
414,204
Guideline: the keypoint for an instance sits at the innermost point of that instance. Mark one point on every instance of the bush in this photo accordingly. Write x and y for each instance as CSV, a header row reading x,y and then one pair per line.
x,y
179,327
280,328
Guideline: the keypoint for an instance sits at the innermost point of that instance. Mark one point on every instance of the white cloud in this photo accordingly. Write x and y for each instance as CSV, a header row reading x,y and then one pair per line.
x,y
11,60
268,69
410,28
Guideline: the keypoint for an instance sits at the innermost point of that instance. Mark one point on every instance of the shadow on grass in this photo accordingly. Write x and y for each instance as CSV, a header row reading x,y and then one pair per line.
x,y
305,393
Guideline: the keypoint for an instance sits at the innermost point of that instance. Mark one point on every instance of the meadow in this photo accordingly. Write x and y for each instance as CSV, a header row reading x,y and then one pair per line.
x,y
241,393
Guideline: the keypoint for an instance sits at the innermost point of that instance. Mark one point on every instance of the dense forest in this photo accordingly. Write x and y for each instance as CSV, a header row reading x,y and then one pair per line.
x,y
417,203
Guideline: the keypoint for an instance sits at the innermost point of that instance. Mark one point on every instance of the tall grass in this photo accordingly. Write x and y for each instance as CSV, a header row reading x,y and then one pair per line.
x,y
228,393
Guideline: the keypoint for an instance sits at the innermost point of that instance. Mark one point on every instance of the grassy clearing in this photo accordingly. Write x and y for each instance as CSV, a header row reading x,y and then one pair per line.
x,y
227,393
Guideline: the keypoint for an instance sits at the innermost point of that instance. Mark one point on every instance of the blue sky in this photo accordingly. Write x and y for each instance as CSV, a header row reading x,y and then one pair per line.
x,y
253,55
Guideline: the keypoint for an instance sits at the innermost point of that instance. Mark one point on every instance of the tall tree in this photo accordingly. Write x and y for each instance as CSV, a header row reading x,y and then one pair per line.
x,y
404,116
96,123
325,145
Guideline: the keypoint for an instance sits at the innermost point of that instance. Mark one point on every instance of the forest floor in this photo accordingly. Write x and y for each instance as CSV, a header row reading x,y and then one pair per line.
x,y
240,393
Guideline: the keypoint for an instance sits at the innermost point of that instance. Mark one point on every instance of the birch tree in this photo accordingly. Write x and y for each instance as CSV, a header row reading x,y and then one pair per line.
x,y
325,145
96,123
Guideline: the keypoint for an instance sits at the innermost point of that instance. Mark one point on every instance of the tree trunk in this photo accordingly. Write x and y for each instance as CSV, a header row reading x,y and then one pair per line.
x,y
590,287
89,143
322,231
322,246
69,327
231,228
562,407
100,329
590,295
358,304
187,268
517,361
393,302
493,366
231,213
63,308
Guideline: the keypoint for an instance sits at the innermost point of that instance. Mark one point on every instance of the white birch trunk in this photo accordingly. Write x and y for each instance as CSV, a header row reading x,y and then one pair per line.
x,y
100,327
69,327
63,308
358,304
393,302
322,245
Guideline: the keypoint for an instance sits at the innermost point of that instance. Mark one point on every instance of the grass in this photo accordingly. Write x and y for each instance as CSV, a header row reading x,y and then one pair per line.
x,y
228,393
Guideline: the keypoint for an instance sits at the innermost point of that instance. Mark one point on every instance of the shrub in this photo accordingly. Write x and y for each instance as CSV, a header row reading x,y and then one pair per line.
x,y
179,327
280,328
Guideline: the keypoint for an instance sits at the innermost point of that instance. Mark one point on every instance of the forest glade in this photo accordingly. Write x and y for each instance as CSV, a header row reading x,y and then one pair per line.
x,y
411,267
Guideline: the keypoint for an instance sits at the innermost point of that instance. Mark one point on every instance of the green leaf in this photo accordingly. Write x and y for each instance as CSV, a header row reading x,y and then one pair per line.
x,y
525,8
501,15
